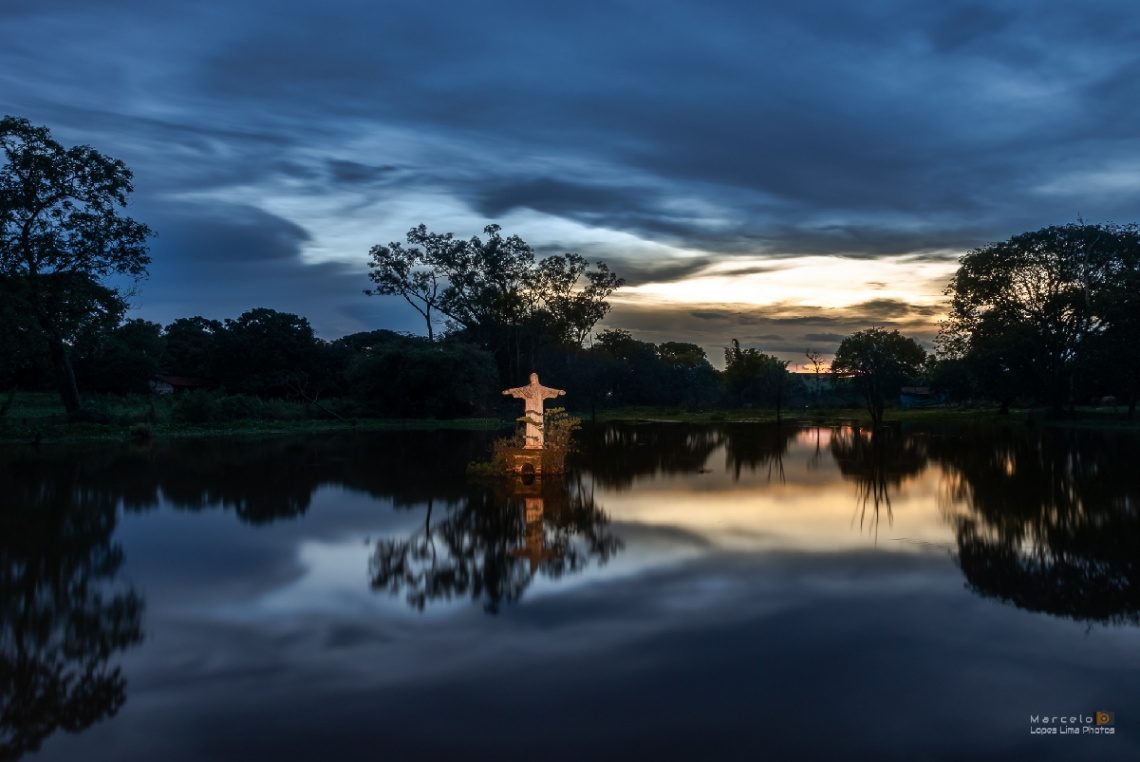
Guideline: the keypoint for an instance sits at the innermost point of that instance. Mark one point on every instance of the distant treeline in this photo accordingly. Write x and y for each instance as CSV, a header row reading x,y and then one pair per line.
x,y
1050,317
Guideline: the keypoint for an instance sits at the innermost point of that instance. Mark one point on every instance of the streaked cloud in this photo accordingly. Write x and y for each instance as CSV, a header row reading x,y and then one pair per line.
x,y
670,141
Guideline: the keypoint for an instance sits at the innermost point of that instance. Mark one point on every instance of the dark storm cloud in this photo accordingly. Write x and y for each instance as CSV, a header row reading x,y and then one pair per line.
x,y
354,172
968,24
558,197
890,309
638,272
824,127
786,332
220,261
231,234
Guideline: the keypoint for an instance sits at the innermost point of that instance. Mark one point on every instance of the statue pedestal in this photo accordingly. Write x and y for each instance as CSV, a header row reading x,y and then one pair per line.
x,y
522,461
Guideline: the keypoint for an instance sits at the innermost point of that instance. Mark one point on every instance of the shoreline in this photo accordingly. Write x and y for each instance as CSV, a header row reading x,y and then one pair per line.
x,y
28,430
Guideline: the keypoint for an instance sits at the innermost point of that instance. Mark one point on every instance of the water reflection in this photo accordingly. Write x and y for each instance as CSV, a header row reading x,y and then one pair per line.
x,y
262,480
616,455
62,614
757,448
878,460
490,545
1049,522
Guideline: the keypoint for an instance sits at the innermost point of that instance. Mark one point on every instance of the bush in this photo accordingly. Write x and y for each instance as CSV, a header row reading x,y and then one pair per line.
x,y
415,378
142,431
195,407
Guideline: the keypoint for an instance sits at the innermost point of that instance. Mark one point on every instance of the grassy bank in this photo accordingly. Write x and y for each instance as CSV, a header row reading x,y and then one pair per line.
x,y
39,417
1086,417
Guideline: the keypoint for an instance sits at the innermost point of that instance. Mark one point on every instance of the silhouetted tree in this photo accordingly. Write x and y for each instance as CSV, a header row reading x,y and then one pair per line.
x,y
1023,310
752,376
61,232
190,346
412,273
121,360
269,352
410,377
879,363
1113,352
497,294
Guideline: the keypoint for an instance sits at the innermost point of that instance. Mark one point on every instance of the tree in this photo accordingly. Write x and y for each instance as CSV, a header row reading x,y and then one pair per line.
x,y
268,352
409,377
575,310
190,346
879,363
62,232
689,378
412,273
815,361
84,313
496,294
752,376
123,360
1023,311
1114,352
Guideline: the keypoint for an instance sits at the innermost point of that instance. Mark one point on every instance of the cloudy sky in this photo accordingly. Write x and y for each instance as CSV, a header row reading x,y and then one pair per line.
x,y
780,173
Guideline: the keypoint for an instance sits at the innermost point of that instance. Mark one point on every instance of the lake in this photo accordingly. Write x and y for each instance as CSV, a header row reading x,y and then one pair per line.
x,y
740,591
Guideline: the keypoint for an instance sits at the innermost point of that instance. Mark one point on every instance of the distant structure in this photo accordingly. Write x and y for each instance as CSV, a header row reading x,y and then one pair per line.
x,y
172,384
534,394
919,396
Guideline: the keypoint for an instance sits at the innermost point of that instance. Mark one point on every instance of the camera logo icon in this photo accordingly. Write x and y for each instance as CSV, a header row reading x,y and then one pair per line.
x,y
1105,718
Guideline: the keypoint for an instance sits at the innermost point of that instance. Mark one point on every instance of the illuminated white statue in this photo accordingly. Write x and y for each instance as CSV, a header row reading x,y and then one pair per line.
x,y
534,393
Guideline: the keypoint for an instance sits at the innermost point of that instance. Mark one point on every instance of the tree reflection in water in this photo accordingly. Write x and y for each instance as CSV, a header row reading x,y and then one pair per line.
x,y
1049,523
62,617
616,454
878,460
757,446
490,545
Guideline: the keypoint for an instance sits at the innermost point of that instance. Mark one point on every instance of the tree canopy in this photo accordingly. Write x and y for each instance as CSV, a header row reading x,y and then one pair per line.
x,y
878,362
494,291
62,233
751,376
1026,313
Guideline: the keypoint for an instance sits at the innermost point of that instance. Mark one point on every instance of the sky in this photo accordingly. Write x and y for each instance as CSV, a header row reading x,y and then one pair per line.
x,y
779,173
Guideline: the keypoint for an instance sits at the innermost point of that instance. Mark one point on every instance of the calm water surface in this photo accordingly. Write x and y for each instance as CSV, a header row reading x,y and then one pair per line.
x,y
732,592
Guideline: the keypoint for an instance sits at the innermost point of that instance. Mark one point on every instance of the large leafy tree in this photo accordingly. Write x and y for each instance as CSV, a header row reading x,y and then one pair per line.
x,y
752,376
269,352
122,360
62,232
190,344
1023,311
878,362
494,291
83,312
1114,351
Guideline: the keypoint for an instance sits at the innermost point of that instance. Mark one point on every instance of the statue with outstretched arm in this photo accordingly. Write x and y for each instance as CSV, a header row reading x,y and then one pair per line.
x,y
534,394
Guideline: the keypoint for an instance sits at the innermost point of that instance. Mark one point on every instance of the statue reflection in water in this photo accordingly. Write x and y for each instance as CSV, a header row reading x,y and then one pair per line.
x,y
493,543
62,614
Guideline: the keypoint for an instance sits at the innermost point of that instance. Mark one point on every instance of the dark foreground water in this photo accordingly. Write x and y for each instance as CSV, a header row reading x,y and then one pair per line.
x,y
735,592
